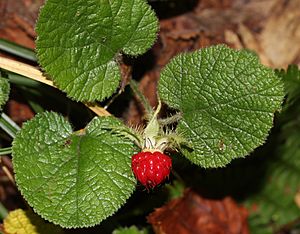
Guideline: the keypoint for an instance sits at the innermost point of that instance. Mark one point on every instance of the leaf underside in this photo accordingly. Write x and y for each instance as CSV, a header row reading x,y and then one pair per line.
x,y
227,98
73,179
79,41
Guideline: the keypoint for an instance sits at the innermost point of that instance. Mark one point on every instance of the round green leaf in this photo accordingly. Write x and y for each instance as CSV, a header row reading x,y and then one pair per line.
x,y
73,179
79,41
227,98
4,91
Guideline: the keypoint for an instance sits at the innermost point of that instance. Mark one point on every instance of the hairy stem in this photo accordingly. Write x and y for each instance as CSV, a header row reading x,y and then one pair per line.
x,y
170,120
140,96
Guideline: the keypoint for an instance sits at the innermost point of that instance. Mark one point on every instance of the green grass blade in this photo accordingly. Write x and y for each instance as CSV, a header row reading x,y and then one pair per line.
x,y
17,50
5,151
8,125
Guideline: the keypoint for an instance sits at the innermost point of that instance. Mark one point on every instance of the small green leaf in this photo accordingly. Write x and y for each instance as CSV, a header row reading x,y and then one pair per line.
x,y
129,230
176,189
73,179
79,41
227,98
4,91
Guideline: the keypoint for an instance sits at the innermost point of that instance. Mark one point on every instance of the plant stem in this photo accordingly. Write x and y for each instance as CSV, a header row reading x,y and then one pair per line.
x,y
3,211
170,120
8,125
113,99
140,96
17,50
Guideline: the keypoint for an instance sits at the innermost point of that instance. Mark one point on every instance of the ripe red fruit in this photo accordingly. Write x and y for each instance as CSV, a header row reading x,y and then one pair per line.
x,y
151,168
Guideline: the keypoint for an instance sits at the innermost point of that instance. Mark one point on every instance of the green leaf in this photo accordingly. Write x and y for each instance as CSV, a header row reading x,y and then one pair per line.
x,y
129,230
4,91
291,79
73,179
176,189
79,42
227,98
275,202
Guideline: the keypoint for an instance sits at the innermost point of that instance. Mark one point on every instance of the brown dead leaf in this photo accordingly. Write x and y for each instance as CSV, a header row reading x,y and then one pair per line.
x,y
195,214
18,18
297,198
280,38
19,111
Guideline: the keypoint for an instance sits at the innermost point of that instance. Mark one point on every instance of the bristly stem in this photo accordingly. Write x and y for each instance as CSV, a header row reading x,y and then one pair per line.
x,y
130,133
170,120
140,96
113,98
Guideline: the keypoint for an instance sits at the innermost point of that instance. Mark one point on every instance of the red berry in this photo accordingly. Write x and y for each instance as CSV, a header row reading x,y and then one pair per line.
x,y
151,168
